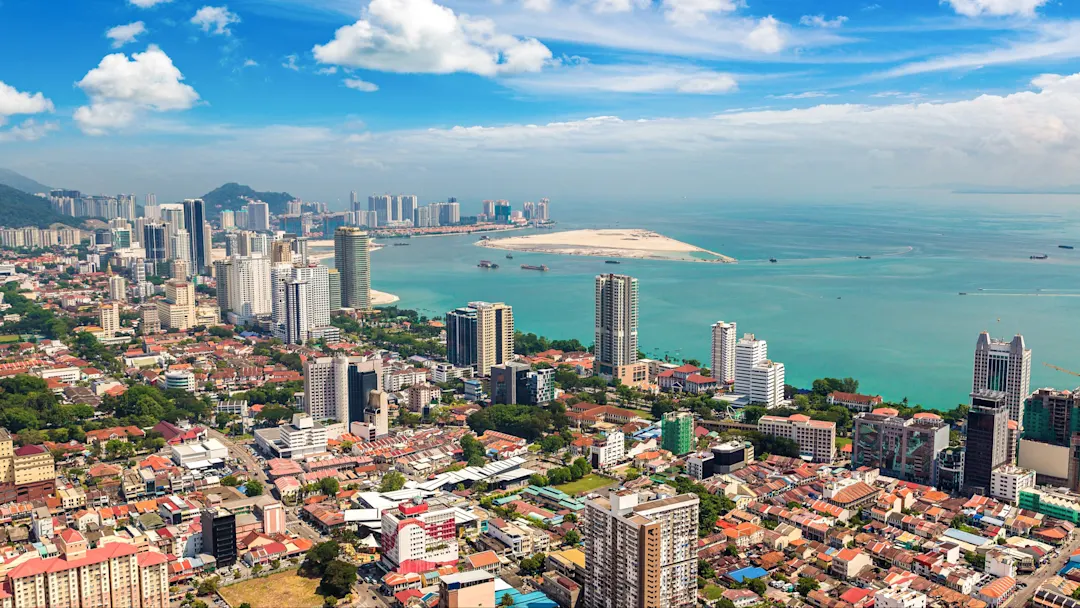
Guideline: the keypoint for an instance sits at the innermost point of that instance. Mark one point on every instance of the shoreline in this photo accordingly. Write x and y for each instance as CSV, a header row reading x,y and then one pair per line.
x,y
627,243
382,298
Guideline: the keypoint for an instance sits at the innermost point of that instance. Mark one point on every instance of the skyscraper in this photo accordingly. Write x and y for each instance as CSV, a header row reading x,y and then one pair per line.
x,y
641,555
408,206
258,216
749,351
334,283
297,311
677,432
1051,438
1005,367
337,387
219,535
987,438
381,204
222,268
480,335
502,212
354,201
228,219
117,288
194,218
181,247
249,287
154,242
616,325
724,338
353,264
110,317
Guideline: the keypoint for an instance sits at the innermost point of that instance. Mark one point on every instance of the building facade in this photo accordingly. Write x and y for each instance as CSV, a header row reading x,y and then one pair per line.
x,y
724,338
1003,367
353,263
816,438
616,323
677,432
902,448
480,336
418,538
987,438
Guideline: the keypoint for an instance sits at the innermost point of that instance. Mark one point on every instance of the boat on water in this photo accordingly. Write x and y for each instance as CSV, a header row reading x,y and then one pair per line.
x,y
864,257
401,244
541,268
484,237
509,256
612,262
772,260
487,264
1065,247
963,293
1041,256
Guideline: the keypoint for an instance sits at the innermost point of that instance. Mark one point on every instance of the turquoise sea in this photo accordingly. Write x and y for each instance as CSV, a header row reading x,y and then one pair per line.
x,y
894,322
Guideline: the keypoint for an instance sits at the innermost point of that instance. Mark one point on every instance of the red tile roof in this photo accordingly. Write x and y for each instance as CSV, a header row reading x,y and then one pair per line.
x,y
38,566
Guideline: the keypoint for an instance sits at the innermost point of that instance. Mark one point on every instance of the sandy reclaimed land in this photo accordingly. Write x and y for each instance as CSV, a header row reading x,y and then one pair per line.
x,y
609,243
381,298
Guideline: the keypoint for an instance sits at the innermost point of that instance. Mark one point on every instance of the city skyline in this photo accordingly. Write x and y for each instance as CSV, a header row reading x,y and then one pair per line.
x,y
868,97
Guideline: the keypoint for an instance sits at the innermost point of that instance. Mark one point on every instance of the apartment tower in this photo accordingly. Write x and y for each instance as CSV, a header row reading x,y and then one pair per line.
x,y
724,338
353,264
1003,367
616,325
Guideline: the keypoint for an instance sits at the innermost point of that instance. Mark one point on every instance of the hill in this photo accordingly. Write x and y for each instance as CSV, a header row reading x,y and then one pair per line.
x,y
18,209
232,196
21,182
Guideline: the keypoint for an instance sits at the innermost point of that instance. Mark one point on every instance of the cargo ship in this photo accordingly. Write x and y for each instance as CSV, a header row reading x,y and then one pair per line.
x,y
772,260
1041,256
612,262
487,264
1065,247
509,256
541,268
864,257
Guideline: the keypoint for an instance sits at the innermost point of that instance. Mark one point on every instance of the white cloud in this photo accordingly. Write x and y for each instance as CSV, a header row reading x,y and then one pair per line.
x,y
420,36
693,12
122,89
995,8
290,63
896,95
250,63
821,21
602,7
123,34
13,101
589,78
28,130
539,6
148,3
766,37
327,71
361,85
215,20
805,95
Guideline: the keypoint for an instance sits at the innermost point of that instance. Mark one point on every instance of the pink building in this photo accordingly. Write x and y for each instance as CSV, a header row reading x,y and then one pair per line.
x,y
418,539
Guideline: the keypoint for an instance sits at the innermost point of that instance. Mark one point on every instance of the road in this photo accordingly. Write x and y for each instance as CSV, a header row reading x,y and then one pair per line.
x,y
240,453
1049,570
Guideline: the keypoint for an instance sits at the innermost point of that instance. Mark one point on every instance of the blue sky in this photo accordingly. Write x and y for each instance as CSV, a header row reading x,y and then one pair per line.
x,y
778,99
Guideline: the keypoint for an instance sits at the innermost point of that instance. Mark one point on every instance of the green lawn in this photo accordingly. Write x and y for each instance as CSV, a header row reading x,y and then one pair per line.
x,y
586,484
842,441
713,592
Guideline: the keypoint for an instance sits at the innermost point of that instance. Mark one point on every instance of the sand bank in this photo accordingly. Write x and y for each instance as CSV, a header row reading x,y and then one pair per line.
x,y
609,243
381,298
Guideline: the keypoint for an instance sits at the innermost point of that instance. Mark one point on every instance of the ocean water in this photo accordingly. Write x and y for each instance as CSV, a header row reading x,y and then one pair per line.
x,y
894,322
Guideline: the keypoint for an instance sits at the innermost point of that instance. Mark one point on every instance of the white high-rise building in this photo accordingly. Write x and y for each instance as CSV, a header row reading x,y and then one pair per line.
x,y
608,450
258,216
382,205
816,438
110,318
327,390
724,338
181,246
641,554
767,383
749,351
228,219
1004,367
279,275
616,324
249,287
317,277
117,288
297,311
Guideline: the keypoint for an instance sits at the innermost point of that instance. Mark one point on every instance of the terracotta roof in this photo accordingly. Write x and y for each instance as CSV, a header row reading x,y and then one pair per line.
x,y
483,559
38,566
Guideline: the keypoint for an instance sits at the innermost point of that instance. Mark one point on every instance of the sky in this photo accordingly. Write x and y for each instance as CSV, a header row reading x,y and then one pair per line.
x,y
576,100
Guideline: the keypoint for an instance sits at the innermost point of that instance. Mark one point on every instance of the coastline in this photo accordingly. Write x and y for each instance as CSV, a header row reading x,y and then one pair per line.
x,y
381,298
625,243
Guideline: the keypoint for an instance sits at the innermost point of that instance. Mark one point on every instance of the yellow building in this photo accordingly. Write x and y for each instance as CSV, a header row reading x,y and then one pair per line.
x,y
177,310
32,464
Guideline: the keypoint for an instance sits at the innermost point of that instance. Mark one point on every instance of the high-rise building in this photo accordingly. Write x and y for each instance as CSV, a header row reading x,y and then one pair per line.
x,y
333,278
110,318
228,219
641,555
767,383
194,218
249,287
297,311
317,277
354,201
487,209
381,204
542,210
219,535
353,263
749,351
409,203
986,447
1004,367
906,449
1050,441
417,537
258,216
222,269
149,322
502,212
816,438
677,432
181,247
336,388
480,335
117,288
616,324
518,383
177,310
724,338
154,242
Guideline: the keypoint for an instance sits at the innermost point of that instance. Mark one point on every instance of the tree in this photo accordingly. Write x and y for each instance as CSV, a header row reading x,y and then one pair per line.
x,y
338,579
256,569
253,488
319,557
806,585
473,451
207,586
244,605
572,537
230,481
731,551
551,444
757,586
507,600
392,482
725,603
705,569
532,566
559,476
329,486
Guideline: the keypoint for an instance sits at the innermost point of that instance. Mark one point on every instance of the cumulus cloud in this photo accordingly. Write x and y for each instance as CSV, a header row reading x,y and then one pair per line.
x,y
123,34
148,3
585,78
693,12
804,95
330,71
995,8
290,63
215,20
821,21
361,85
250,63
13,101
121,89
420,36
601,7
539,6
28,130
766,36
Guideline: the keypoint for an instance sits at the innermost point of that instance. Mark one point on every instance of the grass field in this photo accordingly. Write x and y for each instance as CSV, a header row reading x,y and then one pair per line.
x,y
713,592
842,441
586,484
276,591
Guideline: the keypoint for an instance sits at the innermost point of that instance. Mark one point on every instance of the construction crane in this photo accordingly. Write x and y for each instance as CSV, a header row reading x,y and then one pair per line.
x,y
1061,369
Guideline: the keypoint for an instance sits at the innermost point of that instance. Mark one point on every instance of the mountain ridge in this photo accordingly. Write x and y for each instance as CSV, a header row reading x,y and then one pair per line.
x,y
233,196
